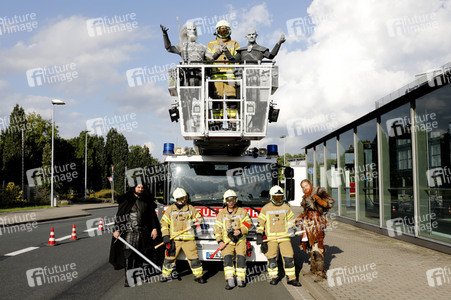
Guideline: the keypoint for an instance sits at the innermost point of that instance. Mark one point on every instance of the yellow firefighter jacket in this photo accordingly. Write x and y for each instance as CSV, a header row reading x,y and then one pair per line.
x,y
275,220
175,220
225,221
213,46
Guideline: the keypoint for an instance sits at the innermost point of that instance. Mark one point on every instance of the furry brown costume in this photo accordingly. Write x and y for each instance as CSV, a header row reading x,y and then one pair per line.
x,y
314,222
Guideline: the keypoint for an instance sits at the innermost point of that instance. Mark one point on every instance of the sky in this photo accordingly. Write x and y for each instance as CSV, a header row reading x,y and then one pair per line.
x,y
339,58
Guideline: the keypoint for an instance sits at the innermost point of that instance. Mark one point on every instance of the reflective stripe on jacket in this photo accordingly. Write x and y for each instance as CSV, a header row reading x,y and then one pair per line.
x,y
213,46
275,220
225,221
176,220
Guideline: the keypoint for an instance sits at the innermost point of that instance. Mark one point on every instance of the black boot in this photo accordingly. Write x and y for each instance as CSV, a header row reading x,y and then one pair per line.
x,y
294,282
200,280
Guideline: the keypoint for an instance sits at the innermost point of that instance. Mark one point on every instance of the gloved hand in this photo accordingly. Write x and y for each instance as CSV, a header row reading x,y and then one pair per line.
x,y
234,238
259,238
166,239
264,247
170,249
292,231
164,29
194,226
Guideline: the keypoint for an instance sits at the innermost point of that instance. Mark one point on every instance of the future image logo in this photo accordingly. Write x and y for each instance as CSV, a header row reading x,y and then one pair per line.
x,y
14,24
122,123
438,276
144,75
409,25
51,74
108,25
57,273
354,274
438,176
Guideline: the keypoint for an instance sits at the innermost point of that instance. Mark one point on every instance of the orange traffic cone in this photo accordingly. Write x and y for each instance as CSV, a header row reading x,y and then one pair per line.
x,y
100,225
52,238
74,233
393,209
449,209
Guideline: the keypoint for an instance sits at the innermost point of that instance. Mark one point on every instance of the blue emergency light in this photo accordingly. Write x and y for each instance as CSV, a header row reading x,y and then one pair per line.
x,y
168,149
272,150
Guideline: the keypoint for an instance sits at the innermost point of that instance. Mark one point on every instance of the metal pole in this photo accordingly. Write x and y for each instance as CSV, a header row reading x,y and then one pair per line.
x,y
86,162
23,163
51,170
139,253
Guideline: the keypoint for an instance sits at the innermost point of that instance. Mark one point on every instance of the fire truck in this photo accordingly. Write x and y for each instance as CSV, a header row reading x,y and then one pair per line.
x,y
222,126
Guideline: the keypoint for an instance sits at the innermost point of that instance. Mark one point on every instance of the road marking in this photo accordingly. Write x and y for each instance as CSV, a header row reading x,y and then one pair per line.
x,y
63,238
21,251
96,228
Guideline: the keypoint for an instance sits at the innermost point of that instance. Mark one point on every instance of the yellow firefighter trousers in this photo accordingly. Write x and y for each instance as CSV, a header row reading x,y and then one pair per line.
x,y
288,262
190,250
229,269
225,87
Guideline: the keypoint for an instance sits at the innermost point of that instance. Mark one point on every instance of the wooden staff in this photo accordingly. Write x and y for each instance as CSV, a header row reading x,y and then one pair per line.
x,y
282,236
217,250
180,233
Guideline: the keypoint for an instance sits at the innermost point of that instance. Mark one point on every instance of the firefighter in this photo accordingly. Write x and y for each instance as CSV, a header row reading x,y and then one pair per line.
x,y
222,41
277,219
180,216
231,228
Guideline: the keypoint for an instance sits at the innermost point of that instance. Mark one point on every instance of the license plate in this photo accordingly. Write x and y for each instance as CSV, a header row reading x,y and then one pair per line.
x,y
217,255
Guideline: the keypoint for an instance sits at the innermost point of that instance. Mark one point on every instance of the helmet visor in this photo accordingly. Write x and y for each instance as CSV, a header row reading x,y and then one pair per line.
x,y
231,200
277,198
223,32
181,200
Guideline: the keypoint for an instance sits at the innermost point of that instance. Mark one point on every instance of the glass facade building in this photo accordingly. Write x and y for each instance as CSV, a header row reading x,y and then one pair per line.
x,y
391,169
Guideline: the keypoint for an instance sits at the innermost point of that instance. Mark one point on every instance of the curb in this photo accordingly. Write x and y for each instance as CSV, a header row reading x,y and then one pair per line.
x,y
316,290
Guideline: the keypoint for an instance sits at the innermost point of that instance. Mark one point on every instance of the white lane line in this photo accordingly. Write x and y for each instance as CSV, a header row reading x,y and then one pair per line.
x,y
21,251
95,228
63,238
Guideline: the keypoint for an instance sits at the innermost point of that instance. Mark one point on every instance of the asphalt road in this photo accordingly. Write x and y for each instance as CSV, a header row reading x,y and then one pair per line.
x,y
80,269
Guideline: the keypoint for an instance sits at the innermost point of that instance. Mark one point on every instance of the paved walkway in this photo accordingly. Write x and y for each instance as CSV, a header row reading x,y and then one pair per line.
x,y
367,265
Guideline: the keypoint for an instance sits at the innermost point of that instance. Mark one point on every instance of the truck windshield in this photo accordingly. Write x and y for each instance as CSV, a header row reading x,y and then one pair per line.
x,y
207,181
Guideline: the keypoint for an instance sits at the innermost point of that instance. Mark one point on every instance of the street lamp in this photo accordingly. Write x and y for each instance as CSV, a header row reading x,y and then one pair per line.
x,y
54,102
284,153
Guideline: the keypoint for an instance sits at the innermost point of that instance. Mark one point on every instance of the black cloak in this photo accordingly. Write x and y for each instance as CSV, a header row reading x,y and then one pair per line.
x,y
150,221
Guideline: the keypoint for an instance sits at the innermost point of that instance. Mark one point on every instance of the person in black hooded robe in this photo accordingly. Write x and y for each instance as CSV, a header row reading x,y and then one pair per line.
x,y
137,223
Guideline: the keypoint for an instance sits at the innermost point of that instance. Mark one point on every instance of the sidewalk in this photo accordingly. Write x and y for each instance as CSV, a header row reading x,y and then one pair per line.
x,y
51,213
367,265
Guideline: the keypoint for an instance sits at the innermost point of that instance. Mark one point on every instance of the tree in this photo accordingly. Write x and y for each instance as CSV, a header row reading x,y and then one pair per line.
x,y
140,157
12,147
116,150
95,160
289,157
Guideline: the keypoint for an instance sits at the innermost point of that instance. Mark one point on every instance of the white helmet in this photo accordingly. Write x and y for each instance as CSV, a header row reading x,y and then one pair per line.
x,y
276,191
180,196
223,34
229,194
179,193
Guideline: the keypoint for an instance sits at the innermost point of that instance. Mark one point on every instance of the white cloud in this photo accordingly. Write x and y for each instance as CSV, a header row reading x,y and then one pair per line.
x,y
145,98
366,50
66,41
